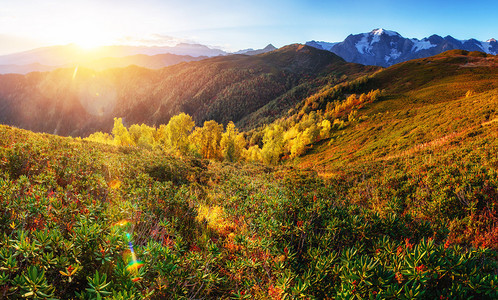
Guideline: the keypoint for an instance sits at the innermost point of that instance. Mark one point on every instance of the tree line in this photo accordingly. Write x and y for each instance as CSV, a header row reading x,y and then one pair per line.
x,y
285,138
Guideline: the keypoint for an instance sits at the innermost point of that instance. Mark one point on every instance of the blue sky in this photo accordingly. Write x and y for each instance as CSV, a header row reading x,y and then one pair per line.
x,y
234,24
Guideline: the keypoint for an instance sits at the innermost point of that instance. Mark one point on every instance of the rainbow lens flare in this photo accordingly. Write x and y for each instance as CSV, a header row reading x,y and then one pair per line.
x,y
133,266
133,263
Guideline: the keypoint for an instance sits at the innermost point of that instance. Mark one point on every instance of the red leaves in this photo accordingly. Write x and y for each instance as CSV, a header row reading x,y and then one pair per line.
x,y
195,248
421,268
408,244
399,277
274,292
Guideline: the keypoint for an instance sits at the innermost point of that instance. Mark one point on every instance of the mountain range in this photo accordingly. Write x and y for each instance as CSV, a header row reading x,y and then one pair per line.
x,y
51,58
385,48
379,47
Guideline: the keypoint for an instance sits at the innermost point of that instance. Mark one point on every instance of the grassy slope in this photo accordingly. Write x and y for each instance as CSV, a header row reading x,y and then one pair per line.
x,y
427,147
207,230
425,100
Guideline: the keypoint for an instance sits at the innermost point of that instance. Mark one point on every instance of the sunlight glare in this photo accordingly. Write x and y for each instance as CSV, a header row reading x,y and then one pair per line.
x,y
88,36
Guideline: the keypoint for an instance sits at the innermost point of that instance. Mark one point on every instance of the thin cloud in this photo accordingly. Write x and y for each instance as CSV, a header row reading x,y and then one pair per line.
x,y
154,40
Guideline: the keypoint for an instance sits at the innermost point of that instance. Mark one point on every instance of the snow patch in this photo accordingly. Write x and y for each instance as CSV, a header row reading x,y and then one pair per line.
x,y
395,54
376,34
486,47
363,46
421,45
326,45
490,40
375,39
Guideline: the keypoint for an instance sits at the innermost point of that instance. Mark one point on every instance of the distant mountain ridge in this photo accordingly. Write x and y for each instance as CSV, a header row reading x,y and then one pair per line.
x,y
70,54
157,61
251,51
51,58
385,48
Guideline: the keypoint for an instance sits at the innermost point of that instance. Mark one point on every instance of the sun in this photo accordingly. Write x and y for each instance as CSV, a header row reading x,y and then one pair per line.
x,y
89,41
88,44
89,36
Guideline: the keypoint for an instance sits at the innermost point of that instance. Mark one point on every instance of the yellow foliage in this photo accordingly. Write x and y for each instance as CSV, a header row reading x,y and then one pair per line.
x,y
121,135
215,218
206,140
100,137
114,184
232,143
253,154
175,134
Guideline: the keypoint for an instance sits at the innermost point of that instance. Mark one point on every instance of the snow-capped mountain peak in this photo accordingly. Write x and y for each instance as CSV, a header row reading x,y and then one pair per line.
x,y
383,47
380,31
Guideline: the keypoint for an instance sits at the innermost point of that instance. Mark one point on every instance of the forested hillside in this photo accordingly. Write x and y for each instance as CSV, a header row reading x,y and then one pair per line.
x,y
81,101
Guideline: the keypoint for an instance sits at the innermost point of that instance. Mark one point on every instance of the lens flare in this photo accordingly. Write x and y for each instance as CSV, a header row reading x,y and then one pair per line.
x,y
75,72
133,263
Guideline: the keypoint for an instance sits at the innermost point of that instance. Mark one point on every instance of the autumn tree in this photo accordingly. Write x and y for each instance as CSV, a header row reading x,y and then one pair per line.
x,y
273,142
325,128
121,135
147,134
101,137
298,144
232,143
175,135
253,154
142,135
206,140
